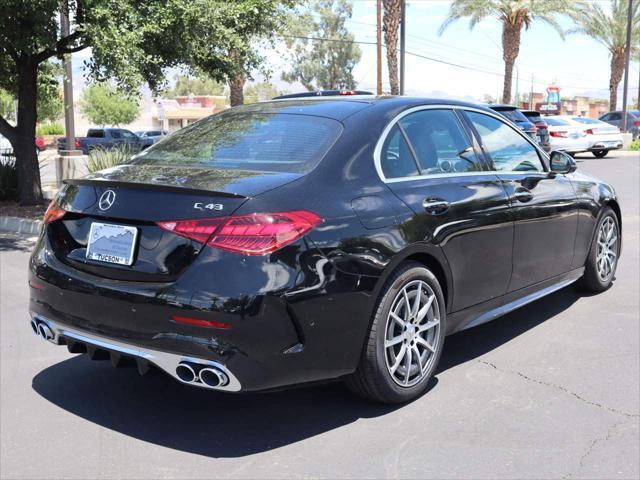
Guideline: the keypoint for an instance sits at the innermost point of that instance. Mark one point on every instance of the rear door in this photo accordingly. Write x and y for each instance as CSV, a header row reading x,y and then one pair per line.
x,y
430,161
543,204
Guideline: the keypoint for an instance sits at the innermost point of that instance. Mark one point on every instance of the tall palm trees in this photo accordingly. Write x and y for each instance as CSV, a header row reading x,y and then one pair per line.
x,y
608,26
391,23
514,16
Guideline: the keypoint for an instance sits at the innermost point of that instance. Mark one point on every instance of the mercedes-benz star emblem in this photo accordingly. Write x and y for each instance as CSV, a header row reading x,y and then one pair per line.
x,y
106,200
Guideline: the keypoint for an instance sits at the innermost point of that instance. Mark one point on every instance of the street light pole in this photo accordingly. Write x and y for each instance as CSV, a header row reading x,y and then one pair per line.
x,y
379,46
402,43
627,54
67,82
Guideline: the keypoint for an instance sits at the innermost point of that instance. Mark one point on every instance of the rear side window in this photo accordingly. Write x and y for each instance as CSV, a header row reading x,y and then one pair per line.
x,y
439,142
509,151
556,122
585,120
116,134
95,133
614,116
278,142
396,159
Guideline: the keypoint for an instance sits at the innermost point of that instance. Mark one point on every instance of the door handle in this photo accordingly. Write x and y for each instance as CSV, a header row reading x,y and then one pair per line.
x,y
523,195
435,206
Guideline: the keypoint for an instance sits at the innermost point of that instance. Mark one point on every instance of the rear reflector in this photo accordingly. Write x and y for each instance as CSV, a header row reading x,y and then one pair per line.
x,y
200,323
53,213
255,234
589,131
37,286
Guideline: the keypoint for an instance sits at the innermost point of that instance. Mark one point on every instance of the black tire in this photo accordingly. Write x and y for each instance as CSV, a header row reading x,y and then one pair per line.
x,y
373,379
592,280
600,153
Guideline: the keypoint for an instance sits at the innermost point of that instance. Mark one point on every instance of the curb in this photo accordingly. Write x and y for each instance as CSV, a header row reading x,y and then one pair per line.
x,y
20,225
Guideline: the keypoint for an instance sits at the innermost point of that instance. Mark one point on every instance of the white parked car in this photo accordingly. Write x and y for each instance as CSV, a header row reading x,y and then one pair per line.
x,y
602,136
6,150
567,136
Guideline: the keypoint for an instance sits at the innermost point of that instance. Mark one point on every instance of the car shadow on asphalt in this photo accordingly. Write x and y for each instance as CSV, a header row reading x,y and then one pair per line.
x,y
159,410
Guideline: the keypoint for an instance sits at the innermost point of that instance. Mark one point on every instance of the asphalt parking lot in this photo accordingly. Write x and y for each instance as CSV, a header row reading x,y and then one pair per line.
x,y
549,391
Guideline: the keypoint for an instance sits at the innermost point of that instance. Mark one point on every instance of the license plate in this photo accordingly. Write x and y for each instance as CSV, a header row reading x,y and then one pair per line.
x,y
111,243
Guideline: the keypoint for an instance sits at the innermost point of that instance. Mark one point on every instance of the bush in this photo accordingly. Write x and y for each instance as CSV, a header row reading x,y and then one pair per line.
x,y
8,179
635,145
49,129
101,158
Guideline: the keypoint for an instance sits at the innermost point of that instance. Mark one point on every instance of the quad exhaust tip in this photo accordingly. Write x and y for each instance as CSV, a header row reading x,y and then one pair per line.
x,y
207,376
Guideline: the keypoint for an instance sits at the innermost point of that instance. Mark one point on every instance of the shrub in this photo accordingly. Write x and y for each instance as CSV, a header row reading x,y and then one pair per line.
x,y
101,158
635,145
8,179
49,129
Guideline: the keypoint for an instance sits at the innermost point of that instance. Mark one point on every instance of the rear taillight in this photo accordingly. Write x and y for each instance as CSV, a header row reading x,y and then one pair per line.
x,y
78,144
255,234
541,126
53,213
347,92
559,134
589,131
636,123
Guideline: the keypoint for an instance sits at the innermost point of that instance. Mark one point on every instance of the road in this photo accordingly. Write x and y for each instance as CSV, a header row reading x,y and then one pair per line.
x,y
549,391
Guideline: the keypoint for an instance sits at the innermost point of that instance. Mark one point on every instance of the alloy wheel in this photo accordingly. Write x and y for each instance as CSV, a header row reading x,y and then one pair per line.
x,y
607,253
412,333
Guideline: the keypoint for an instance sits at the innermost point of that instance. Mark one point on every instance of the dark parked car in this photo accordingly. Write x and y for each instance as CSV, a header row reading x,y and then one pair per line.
x,y
542,129
517,117
306,240
633,121
104,138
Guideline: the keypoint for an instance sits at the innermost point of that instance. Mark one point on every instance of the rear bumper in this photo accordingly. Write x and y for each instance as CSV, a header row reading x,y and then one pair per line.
x,y
288,325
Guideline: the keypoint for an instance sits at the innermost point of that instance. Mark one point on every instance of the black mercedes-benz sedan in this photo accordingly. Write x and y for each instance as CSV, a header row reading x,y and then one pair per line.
x,y
314,239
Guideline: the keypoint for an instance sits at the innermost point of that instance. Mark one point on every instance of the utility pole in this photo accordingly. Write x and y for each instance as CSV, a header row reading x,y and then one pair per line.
x,y
531,107
70,149
626,66
379,46
402,43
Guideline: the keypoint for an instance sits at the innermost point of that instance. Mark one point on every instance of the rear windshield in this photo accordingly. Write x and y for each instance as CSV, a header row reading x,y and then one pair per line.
x,y
533,116
272,142
514,115
556,122
585,120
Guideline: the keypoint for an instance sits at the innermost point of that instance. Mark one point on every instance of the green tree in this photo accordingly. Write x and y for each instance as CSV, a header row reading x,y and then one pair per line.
x,y
609,27
102,104
200,84
514,16
132,42
260,92
326,63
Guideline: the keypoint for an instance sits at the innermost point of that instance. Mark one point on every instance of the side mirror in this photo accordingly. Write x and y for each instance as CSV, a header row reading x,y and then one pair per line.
x,y
562,162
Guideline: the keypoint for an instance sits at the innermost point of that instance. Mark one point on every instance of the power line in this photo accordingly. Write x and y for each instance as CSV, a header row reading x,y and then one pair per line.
x,y
433,59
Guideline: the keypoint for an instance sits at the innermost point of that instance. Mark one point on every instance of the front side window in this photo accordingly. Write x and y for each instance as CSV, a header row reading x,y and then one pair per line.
x,y
509,151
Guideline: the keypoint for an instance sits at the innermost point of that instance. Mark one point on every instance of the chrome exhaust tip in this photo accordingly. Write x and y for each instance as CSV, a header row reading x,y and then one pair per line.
x,y
212,377
45,332
34,326
185,372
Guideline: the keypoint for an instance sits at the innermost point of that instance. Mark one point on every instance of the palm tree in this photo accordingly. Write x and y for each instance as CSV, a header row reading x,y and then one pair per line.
x,y
609,27
514,15
391,22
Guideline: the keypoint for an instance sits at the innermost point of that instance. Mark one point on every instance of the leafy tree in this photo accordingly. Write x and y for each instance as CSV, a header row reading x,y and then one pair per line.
x,y
326,63
132,42
391,24
260,92
103,104
201,84
609,27
514,16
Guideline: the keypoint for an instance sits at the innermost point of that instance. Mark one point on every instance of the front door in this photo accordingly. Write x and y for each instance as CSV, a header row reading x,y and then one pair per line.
x,y
431,162
543,203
